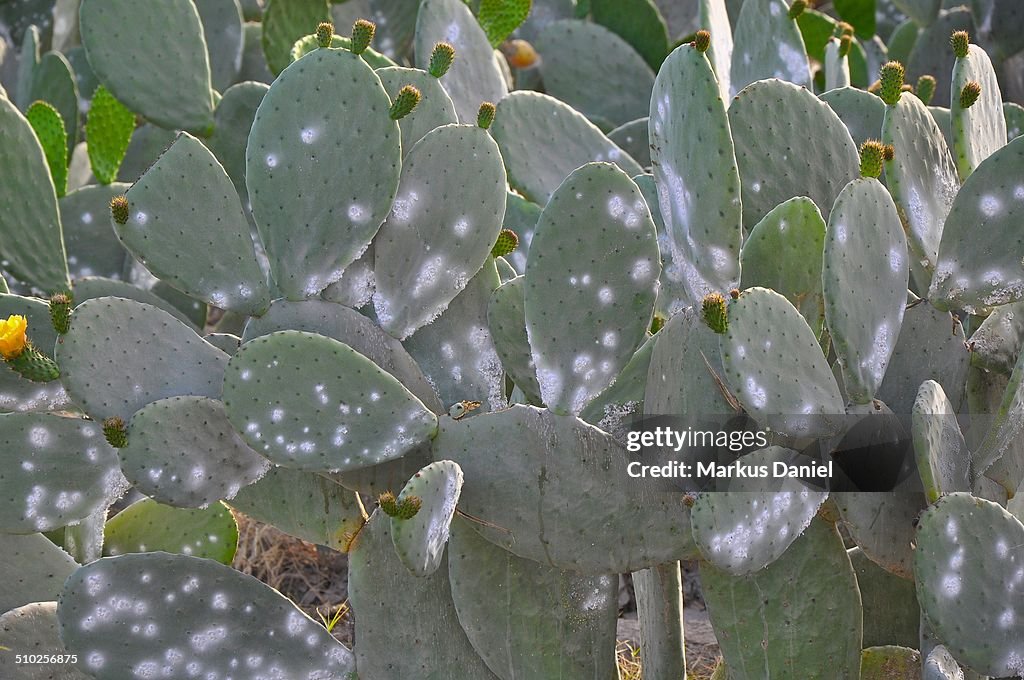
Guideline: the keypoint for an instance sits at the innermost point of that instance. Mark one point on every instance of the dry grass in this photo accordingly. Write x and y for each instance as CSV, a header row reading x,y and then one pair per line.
x,y
699,667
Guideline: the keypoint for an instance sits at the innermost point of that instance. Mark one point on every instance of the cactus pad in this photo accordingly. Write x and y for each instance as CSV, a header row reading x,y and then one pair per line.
x,y
943,458
33,570
420,540
435,107
148,526
506,319
767,44
48,125
978,128
32,629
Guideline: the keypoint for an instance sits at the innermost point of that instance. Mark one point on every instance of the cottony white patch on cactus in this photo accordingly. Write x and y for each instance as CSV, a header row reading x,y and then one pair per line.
x,y
990,205
877,359
641,270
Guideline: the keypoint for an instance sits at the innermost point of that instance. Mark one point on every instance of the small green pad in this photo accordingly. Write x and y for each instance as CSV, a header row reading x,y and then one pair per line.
x,y
33,246
864,279
560,463
783,252
768,44
543,140
121,355
156,64
892,615
186,225
921,176
32,630
319,185
437,237
499,18
284,22
979,130
48,125
113,615
943,459
594,71
771,122
743,530
968,550
420,540
108,130
33,570
890,663
148,526
234,116
549,623
476,75
58,471
225,40
312,403
506,319
184,452
590,290
775,367
694,165
434,110
981,255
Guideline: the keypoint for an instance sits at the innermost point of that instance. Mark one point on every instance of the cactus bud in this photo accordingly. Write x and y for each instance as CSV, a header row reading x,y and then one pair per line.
x,y
702,40
734,293
689,499
520,54
119,209
657,323
715,313
399,509
485,116
888,152
797,8
116,433
441,59
506,243
387,503
891,77
324,33
970,94
961,42
843,28
872,154
407,99
60,312
362,35
926,89
845,43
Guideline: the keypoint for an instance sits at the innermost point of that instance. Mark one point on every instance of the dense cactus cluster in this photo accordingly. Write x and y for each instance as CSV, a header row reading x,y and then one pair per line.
x,y
408,292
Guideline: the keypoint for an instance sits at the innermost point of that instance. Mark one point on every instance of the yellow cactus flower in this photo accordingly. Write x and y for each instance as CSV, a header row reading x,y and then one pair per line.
x,y
13,337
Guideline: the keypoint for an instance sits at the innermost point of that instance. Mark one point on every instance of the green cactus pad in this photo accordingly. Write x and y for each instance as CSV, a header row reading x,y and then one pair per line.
x,y
225,40
395,19
882,524
53,81
614,409
499,18
183,451
312,403
693,155
777,382
770,121
420,540
923,12
355,287
553,623
594,71
303,504
921,177
891,613
632,138
524,128
456,351
521,217
213,606
105,372
297,154
864,280
109,130
714,17
186,226
999,456
768,44
998,340
284,22
33,570
940,665
930,347
476,76
372,57
146,145
627,525
837,66
743,530
506,319
968,551
18,393
890,662
672,295
48,125
408,626
979,130
32,630
434,110
783,252
33,246
92,287
1014,115
165,80
254,62
234,116
612,289
148,526
435,241
58,471
812,585
943,458
980,256
355,330
932,54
